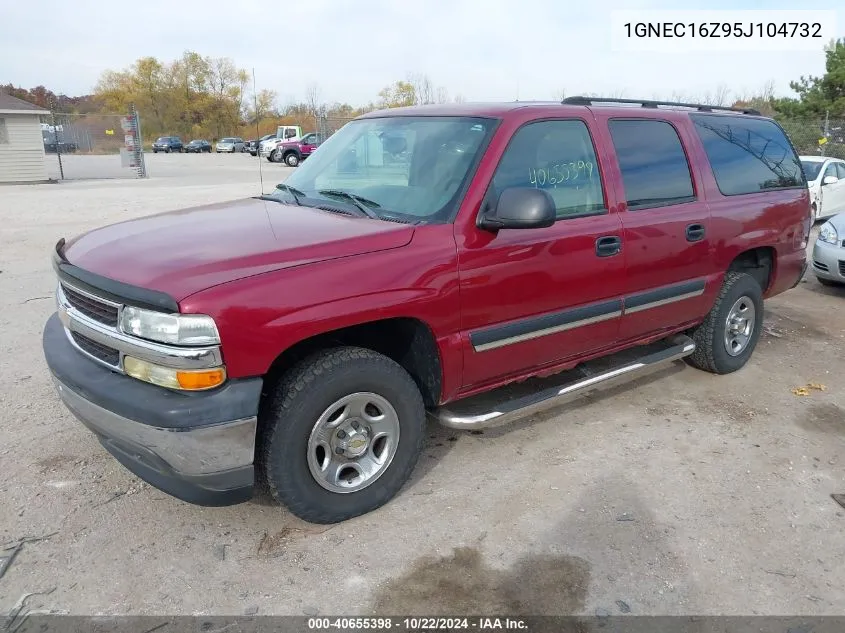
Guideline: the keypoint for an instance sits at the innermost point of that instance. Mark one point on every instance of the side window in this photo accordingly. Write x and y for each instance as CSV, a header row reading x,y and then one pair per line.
x,y
559,157
748,155
309,139
655,171
840,171
830,170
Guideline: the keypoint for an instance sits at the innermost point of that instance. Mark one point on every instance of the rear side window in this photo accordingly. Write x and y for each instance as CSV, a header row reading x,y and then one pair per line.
x,y
557,156
840,171
748,155
655,171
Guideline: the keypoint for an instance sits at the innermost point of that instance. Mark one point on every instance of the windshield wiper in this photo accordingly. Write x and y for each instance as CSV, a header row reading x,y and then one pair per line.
x,y
363,204
295,193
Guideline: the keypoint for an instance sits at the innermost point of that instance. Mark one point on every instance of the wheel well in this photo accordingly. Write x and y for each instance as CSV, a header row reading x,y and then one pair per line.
x,y
407,341
288,152
757,262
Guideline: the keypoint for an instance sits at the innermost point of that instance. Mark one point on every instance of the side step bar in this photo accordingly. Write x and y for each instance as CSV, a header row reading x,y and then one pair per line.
x,y
459,416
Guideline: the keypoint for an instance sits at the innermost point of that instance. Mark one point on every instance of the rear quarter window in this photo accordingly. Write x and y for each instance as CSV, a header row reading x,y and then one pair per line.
x,y
748,155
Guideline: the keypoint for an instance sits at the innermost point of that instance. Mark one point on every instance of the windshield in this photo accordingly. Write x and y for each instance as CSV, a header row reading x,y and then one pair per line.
x,y
163,139
409,168
228,140
811,168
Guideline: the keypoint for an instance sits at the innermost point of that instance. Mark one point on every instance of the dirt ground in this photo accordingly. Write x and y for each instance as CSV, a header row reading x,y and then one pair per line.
x,y
683,493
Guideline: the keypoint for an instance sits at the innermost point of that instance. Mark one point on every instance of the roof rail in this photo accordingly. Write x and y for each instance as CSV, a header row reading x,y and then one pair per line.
x,y
701,107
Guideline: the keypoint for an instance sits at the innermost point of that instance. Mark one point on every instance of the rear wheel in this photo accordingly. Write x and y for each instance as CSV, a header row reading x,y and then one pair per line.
x,y
727,337
341,433
292,160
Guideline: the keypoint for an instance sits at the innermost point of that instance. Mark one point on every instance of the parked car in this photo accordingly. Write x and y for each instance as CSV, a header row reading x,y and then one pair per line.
x,y
422,257
198,146
230,144
252,145
826,181
829,252
284,133
167,144
293,153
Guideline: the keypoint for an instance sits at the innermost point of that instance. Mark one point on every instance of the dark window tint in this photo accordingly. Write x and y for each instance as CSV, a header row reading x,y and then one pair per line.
x,y
748,155
557,156
840,170
654,167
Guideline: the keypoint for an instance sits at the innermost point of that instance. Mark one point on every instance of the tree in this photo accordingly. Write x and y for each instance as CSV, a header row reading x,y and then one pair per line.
x,y
397,95
818,96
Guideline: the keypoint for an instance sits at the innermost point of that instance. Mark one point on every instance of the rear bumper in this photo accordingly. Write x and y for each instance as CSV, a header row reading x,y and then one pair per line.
x,y
197,447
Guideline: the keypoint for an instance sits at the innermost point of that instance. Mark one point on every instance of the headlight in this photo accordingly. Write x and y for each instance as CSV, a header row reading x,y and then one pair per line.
x,y
176,329
185,380
828,234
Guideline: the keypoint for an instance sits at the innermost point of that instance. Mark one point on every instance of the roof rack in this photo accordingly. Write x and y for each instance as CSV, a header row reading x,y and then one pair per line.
x,y
701,107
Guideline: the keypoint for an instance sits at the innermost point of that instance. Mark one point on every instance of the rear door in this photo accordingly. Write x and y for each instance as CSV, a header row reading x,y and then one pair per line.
x,y
666,224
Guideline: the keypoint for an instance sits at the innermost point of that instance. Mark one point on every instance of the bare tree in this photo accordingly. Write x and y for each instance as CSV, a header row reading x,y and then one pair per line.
x,y
312,98
459,98
442,95
423,88
560,95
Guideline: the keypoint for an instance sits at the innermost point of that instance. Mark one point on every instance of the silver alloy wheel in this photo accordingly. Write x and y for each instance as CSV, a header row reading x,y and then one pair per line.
x,y
292,160
353,442
739,326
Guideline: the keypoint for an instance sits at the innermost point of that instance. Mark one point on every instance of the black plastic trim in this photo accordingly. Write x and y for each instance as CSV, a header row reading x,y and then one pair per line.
x,y
661,294
116,291
534,324
143,402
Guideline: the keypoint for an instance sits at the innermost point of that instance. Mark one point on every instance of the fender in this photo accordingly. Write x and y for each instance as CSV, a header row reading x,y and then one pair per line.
x,y
266,314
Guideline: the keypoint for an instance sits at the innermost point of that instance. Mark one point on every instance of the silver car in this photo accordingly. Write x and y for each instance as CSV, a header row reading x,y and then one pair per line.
x,y
230,144
829,252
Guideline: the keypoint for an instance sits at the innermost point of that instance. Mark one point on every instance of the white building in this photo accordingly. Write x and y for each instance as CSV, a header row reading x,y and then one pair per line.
x,y
21,142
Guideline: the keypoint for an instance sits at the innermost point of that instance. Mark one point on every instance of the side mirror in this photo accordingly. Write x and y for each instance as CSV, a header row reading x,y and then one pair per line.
x,y
829,180
520,208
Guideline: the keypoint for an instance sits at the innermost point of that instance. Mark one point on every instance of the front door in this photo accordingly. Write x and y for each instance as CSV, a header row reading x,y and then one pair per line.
x,y
833,195
535,297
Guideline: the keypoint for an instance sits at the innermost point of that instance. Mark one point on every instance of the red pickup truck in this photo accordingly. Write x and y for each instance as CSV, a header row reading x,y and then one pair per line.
x,y
423,257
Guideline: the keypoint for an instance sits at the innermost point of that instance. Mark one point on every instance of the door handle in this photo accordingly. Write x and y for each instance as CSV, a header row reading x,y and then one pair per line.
x,y
608,245
695,232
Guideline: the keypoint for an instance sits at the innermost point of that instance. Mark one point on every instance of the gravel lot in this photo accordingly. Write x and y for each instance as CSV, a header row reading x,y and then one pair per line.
x,y
683,493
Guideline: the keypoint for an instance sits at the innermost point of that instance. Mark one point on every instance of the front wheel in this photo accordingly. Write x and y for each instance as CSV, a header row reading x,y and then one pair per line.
x,y
727,337
275,156
341,433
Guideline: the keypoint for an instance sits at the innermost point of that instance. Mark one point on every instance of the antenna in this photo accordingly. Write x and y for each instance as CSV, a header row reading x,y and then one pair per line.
x,y
257,133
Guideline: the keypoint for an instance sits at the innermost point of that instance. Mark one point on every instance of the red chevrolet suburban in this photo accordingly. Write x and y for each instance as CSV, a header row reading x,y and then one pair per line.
x,y
423,257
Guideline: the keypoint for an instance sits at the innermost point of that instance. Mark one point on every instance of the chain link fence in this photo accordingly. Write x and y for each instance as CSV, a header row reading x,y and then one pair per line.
x,y
816,137
86,146
326,125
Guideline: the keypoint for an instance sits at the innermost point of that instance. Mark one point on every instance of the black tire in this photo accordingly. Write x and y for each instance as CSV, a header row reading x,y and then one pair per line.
x,y
829,282
295,403
275,156
291,159
167,151
711,352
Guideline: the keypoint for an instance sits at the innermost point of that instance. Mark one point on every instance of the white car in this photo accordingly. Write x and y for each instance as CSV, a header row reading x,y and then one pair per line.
x,y
230,144
826,181
829,252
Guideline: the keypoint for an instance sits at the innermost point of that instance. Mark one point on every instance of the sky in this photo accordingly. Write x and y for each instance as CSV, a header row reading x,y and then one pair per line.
x,y
490,50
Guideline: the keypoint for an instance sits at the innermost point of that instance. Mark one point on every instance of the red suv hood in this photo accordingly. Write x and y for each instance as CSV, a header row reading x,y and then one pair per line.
x,y
183,252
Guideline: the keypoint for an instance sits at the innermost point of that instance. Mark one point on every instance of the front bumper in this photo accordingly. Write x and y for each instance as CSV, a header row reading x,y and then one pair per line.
x,y
829,261
198,447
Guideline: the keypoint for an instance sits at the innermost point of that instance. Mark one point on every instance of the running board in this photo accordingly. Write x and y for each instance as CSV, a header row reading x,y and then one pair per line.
x,y
467,414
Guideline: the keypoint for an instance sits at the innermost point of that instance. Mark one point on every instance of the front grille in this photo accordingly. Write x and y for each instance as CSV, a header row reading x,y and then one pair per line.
x,y
97,350
820,266
101,312
842,267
